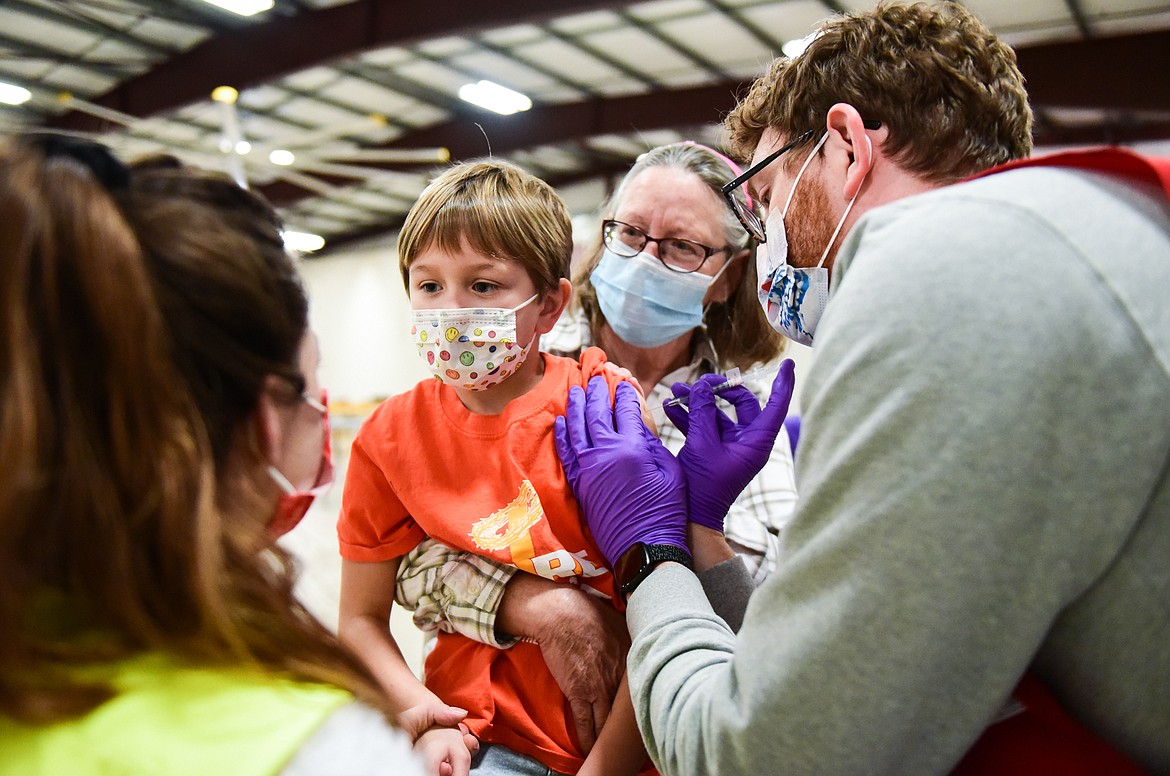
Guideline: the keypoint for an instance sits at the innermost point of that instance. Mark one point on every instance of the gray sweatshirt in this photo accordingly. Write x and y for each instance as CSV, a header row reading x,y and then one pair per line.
x,y
983,484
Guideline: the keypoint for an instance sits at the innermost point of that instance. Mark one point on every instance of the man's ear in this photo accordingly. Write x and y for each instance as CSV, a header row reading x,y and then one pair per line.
x,y
847,137
266,426
722,289
552,303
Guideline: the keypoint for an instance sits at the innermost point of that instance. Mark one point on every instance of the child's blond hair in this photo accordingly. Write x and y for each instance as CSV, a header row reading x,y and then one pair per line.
x,y
499,210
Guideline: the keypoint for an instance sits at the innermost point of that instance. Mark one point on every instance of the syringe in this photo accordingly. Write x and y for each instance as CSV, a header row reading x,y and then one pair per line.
x,y
734,378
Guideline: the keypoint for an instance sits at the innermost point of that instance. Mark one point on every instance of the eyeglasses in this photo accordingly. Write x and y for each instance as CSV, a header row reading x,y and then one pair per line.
x,y
674,252
748,217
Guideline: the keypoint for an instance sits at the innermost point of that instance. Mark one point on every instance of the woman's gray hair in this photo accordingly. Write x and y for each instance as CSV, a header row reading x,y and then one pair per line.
x,y
711,167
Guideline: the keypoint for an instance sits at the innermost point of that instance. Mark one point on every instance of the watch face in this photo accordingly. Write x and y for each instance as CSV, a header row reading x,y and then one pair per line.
x,y
630,563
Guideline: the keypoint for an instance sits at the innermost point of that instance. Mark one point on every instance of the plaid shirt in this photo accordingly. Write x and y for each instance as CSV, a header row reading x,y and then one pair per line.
x,y
460,592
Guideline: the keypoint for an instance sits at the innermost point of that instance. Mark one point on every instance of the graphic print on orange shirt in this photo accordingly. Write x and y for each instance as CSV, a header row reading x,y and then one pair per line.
x,y
510,528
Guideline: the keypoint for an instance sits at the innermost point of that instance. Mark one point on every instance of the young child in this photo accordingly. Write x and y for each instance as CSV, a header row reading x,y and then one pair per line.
x,y
468,458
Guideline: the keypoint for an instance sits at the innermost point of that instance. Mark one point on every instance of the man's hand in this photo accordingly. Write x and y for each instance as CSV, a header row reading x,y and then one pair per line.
x,y
721,455
629,486
583,641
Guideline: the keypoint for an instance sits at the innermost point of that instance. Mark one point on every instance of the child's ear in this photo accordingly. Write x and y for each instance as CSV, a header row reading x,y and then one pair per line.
x,y
552,303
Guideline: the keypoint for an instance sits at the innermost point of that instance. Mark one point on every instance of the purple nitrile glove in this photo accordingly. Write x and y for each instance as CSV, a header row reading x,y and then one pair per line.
x,y
629,486
721,456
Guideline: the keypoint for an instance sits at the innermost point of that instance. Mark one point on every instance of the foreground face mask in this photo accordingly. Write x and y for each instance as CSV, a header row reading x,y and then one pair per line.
x,y
645,303
470,347
794,298
293,503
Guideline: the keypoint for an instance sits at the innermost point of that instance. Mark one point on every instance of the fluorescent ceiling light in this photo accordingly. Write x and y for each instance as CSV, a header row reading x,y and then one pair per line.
x,y
243,147
11,94
492,96
303,242
282,157
242,7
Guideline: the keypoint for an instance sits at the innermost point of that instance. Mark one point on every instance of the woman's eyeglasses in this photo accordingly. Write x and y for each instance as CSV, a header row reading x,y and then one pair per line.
x,y
674,252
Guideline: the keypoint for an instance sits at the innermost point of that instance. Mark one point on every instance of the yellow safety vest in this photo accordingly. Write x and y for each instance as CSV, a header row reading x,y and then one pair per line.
x,y
175,720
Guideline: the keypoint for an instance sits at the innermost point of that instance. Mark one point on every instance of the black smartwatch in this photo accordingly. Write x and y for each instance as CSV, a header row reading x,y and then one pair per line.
x,y
637,562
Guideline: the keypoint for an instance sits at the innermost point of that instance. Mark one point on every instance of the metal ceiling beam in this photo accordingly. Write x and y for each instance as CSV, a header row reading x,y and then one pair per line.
x,y
1081,19
1108,133
561,123
14,48
1114,73
257,54
762,36
70,17
1105,73
714,71
1126,72
612,167
605,168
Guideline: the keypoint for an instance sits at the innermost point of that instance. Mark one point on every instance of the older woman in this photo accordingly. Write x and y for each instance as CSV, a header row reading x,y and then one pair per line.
x,y
669,293
161,422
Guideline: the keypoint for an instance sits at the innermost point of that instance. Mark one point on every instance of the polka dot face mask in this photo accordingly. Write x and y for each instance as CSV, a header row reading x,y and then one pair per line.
x,y
470,347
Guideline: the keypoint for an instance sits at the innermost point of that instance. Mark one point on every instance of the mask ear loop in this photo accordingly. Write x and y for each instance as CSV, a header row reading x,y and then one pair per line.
x,y
707,306
844,215
800,174
525,303
281,481
516,309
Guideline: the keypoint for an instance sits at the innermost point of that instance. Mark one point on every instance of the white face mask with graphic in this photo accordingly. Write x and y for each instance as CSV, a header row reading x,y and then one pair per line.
x,y
794,298
470,347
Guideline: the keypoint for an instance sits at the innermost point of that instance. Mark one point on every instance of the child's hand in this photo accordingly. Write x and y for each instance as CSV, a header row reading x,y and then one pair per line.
x,y
444,751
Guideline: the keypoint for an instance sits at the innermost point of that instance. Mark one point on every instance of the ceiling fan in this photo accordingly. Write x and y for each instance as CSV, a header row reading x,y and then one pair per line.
x,y
295,158
312,160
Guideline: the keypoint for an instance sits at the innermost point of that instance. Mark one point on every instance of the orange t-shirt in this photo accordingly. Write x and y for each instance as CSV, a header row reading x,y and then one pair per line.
x,y
424,465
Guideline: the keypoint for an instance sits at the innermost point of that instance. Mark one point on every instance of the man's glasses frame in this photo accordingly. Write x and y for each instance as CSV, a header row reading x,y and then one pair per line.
x,y
748,217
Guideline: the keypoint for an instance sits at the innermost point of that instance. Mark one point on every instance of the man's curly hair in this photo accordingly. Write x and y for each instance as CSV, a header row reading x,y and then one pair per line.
x,y
946,88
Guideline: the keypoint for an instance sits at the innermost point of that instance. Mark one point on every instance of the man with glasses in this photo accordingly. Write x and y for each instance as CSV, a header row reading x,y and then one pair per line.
x,y
975,578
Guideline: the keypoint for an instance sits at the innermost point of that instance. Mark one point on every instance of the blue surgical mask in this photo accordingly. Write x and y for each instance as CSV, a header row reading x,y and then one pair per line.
x,y
645,303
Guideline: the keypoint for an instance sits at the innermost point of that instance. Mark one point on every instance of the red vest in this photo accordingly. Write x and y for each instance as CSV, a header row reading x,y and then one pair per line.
x,y
1042,738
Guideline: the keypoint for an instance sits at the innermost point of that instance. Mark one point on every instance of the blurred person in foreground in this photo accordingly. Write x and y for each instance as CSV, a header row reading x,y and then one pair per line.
x,y
161,423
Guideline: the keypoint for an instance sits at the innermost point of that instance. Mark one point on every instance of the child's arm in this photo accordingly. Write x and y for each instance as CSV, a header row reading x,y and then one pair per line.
x,y
367,595
619,750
